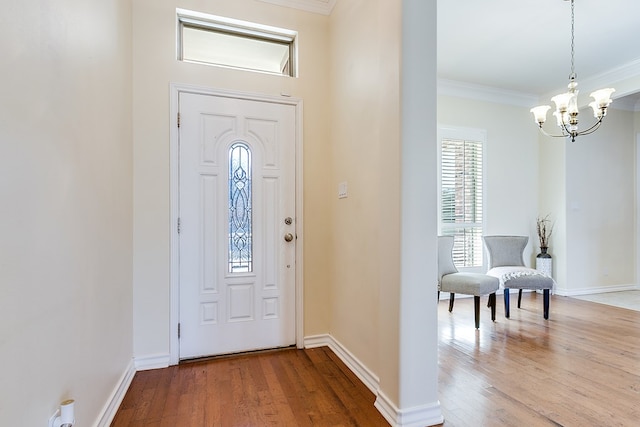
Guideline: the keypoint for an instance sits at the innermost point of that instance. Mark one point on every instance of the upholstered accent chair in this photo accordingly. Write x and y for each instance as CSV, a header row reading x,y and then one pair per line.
x,y
506,263
452,281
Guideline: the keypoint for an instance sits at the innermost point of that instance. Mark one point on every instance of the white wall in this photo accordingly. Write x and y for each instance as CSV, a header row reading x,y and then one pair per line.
x,y
511,164
587,188
553,196
65,215
600,206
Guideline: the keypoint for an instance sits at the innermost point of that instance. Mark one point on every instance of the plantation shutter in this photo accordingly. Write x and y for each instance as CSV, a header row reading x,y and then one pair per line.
x,y
461,199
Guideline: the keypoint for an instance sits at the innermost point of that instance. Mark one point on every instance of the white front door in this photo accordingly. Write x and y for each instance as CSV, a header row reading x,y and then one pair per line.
x,y
237,228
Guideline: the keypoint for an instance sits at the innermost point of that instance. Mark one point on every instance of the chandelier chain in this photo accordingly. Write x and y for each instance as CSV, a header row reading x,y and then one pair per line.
x,y
573,72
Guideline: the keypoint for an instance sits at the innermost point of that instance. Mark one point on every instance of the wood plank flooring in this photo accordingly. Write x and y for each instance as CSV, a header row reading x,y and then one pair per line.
x,y
280,388
579,368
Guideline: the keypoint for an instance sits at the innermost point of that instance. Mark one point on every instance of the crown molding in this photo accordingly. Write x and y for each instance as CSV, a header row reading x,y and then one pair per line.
x,y
323,7
625,73
626,104
485,93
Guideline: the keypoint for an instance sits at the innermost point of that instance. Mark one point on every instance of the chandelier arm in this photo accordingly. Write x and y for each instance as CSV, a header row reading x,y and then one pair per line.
x,y
592,129
544,132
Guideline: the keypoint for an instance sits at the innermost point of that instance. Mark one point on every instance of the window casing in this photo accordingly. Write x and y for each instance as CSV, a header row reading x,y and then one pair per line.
x,y
226,42
461,193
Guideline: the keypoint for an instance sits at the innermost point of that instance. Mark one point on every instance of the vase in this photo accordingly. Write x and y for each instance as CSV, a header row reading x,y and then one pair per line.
x,y
544,262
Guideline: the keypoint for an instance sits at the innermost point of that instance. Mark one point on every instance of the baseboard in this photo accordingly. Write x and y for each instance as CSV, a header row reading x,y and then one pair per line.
x,y
156,361
137,364
425,415
113,403
599,290
367,377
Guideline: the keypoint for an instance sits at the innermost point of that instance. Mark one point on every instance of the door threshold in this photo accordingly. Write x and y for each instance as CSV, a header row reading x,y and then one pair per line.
x,y
239,354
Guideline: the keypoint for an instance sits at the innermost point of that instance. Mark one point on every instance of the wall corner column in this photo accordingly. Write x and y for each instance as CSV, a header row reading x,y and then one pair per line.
x,y
411,399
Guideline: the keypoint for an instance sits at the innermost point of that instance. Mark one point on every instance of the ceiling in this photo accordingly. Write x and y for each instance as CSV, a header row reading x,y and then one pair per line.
x,y
524,46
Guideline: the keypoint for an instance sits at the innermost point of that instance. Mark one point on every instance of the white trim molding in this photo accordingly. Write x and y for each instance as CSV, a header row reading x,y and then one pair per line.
x,y
156,361
600,290
425,415
353,363
113,403
485,93
323,7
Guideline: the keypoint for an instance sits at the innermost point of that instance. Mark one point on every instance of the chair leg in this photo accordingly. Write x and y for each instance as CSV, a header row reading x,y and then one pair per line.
x,y
452,297
519,297
492,303
476,310
506,303
545,302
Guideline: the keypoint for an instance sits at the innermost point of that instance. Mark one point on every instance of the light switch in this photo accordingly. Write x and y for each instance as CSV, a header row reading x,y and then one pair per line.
x,y
342,190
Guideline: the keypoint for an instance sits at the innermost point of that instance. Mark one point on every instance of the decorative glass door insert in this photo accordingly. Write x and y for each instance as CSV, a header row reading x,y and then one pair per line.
x,y
240,218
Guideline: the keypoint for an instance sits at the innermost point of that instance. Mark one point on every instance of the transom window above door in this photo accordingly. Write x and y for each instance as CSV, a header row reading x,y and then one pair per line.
x,y
226,42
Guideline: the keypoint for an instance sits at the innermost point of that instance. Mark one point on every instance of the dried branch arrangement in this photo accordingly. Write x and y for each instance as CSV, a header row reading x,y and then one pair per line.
x,y
545,228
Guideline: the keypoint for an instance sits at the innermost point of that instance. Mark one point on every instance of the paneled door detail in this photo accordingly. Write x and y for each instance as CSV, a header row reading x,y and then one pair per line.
x,y
236,224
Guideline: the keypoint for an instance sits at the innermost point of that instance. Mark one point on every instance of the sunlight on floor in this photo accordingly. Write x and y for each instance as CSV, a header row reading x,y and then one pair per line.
x,y
624,299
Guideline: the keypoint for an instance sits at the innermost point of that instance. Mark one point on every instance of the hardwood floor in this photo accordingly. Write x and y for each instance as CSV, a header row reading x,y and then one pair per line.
x,y
579,368
281,388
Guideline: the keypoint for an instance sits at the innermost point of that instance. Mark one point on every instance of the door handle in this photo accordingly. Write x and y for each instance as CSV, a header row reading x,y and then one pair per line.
x,y
288,237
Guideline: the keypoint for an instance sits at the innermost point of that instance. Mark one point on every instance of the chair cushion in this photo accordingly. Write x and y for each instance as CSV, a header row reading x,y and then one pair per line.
x,y
469,284
505,250
521,278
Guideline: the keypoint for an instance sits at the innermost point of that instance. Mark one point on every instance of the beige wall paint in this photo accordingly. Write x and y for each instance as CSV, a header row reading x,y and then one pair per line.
x,y
358,116
380,315
155,67
65,216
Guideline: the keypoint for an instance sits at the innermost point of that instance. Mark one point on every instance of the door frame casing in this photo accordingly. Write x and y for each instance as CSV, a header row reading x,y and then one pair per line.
x,y
174,274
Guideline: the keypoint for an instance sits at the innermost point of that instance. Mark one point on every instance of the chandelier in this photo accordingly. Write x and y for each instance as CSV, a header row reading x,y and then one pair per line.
x,y
567,103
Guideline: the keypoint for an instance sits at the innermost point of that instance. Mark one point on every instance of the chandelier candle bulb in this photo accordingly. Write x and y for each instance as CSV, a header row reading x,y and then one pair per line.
x,y
602,97
562,101
67,412
540,113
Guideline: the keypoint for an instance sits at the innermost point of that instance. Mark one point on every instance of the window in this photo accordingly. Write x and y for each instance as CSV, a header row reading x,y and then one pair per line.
x,y
214,40
240,215
461,193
